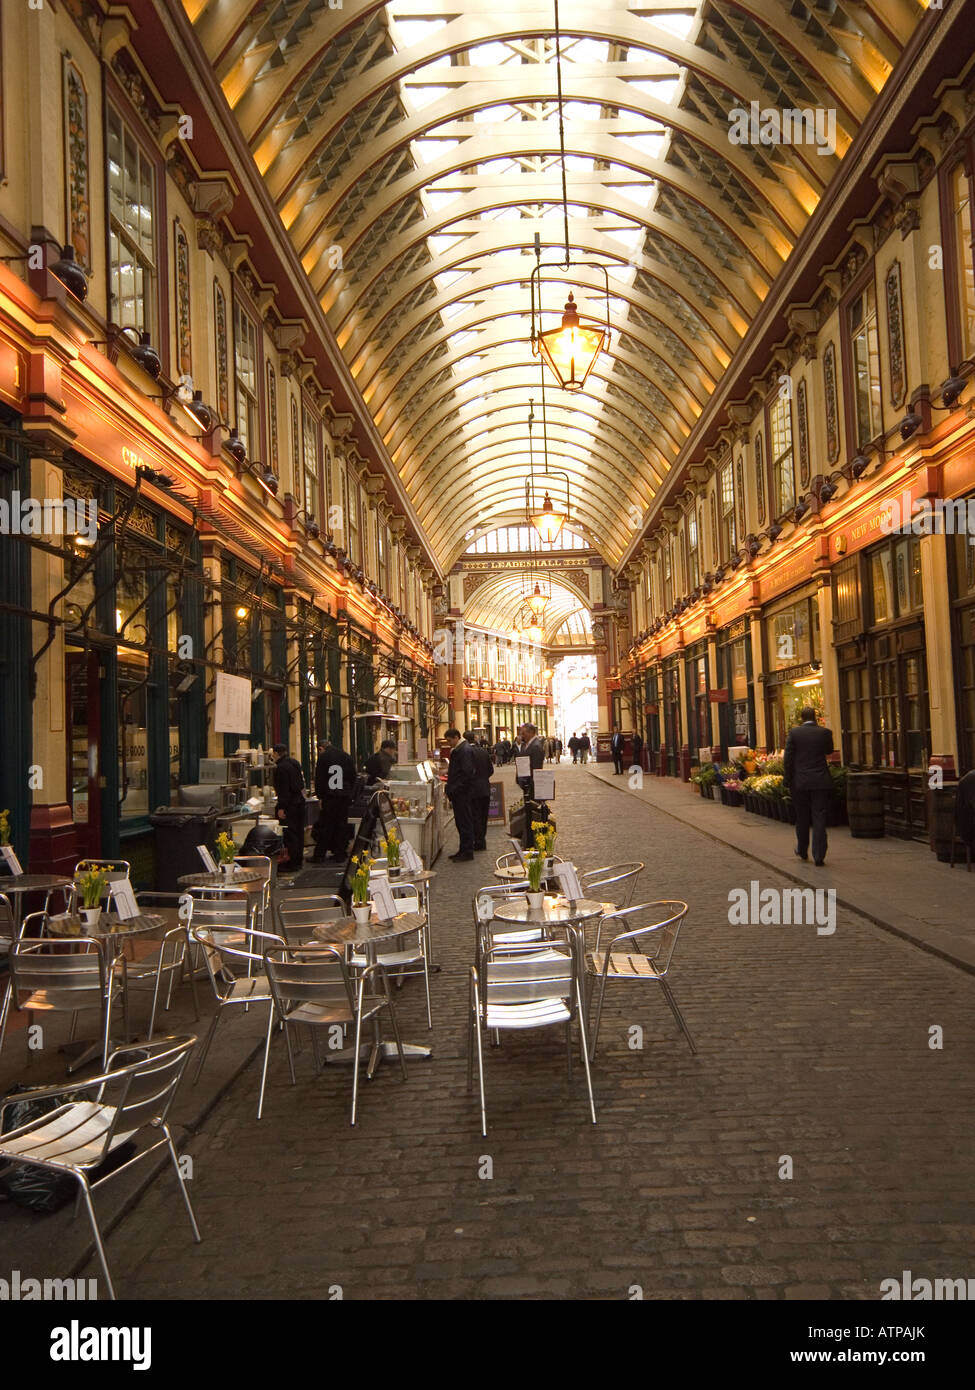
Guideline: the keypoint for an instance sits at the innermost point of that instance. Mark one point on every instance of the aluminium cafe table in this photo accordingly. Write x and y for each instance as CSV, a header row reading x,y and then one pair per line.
x,y
16,885
346,931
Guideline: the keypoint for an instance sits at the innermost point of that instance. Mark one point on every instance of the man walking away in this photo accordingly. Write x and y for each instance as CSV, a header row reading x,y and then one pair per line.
x,y
616,748
334,785
460,784
585,747
481,793
289,788
636,758
808,778
574,748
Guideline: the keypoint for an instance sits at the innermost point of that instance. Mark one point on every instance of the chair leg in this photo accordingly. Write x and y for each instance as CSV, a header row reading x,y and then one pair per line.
x,y
395,1022
585,1052
267,1054
4,1011
668,995
426,983
599,1014
358,1039
206,1043
315,1049
182,1184
86,1194
568,1050
480,1060
470,1037
291,1058
74,1026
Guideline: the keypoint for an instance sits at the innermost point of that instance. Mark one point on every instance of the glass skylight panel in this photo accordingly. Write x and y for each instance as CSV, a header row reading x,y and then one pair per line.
x,y
428,151
588,51
500,112
484,55
438,198
679,25
419,98
446,278
411,31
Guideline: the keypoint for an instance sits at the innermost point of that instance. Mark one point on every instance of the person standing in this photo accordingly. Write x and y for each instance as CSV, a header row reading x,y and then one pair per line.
x,y
379,765
636,759
574,748
334,785
289,788
460,785
558,750
585,747
808,778
616,748
481,793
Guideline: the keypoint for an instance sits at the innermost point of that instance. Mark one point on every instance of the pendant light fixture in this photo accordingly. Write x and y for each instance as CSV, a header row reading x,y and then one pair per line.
x,y
546,517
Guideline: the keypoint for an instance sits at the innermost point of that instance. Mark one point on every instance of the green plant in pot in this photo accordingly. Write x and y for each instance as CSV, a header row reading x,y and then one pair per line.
x,y
361,904
4,827
92,887
534,872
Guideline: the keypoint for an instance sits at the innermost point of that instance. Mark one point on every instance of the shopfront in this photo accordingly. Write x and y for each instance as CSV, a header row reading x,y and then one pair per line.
x,y
698,704
962,559
793,669
736,716
15,646
878,605
672,721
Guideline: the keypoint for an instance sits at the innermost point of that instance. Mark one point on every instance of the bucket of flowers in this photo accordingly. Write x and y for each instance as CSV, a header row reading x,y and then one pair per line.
x,y
361,902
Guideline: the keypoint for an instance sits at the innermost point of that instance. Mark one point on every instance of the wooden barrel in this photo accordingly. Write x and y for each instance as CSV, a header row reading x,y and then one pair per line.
x,y
941,819
865,804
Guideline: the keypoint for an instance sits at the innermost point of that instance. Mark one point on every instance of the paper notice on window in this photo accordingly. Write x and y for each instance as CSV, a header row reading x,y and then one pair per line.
x,y
544,784
233,709
11,860
523,767
402,750
209,863
122,899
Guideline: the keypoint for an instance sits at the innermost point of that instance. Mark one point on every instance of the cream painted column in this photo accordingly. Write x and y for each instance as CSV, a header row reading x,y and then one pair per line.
x,y
49,777
39,123
831,670
292,736
937,638
758,685
715,711
213,641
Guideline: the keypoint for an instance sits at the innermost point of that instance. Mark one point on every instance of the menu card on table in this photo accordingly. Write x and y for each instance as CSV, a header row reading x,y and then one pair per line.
x,y
409,858
568,881
209,863
382,896
122,898
11,860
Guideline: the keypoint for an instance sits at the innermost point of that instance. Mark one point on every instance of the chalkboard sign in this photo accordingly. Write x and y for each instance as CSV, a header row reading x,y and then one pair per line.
x,y
377,821
496,812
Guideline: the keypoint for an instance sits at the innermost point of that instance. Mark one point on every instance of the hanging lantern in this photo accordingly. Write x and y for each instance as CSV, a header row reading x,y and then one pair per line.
x,y
570,351
548,522
537,601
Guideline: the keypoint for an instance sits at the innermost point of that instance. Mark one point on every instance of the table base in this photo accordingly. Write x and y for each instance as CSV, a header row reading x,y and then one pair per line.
x,y
374,1053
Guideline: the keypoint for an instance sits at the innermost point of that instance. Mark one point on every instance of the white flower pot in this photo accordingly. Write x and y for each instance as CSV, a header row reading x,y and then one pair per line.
x,y
362,912
91,916
535,900
228,869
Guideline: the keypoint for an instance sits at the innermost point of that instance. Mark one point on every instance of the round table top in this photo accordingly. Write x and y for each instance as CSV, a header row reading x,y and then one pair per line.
x,y
346,931
221,880
406,876
29,883
70,924
554,910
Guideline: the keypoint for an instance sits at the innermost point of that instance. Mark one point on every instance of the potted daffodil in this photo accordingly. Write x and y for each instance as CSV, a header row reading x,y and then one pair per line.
x,y
361,903
92,886
226,849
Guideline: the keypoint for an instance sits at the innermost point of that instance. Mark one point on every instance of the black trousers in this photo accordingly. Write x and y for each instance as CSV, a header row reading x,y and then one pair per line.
x,y
479,813
293,832
464,820
811,808
331,832
618,761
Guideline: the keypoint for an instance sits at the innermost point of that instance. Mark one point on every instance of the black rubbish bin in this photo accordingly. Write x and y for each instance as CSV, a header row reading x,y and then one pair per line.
x,y
179,829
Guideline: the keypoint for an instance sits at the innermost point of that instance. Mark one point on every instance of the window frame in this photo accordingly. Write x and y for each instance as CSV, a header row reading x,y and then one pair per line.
x,y
158,325
963,158
726,514
308,416
778,505
241,310
863,284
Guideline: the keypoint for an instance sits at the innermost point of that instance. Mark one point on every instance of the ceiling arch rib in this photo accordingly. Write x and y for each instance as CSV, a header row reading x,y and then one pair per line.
x,y
496,603
422,142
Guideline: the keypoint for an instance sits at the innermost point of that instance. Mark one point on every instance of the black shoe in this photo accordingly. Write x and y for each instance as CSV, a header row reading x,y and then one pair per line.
x,y
819,863
801,856
463,858
478,848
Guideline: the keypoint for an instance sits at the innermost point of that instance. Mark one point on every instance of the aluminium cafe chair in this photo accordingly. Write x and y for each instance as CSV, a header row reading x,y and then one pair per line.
x,y
131,1097
311,985
169,960
230,988
300,912
643,953
11,933
409,956
46,977
521,987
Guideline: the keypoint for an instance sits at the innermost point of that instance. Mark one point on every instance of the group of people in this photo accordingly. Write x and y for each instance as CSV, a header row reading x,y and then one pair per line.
x,y
616,745
580,746
506,750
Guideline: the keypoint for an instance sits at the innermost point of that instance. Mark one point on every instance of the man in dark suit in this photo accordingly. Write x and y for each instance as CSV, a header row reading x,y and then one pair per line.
x,y
289,788
481,790
636,757
379,765
808,778
616,748
460,785
534,751
334,785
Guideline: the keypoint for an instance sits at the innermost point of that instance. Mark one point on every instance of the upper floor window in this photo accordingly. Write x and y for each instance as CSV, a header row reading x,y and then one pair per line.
x,y
693,569
245,381
726,509
131,228
864,362
309,462
780,447
962,291
352,511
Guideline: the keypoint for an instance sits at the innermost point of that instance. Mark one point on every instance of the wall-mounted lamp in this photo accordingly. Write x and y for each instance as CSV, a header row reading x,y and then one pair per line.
x,y
910,425
951,389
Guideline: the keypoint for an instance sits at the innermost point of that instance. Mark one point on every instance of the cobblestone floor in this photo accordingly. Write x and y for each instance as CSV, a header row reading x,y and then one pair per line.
x,y
810,1046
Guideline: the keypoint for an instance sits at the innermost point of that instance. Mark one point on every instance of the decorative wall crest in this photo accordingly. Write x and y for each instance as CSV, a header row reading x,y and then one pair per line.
x,y
802,412
76,155
895,334
832,417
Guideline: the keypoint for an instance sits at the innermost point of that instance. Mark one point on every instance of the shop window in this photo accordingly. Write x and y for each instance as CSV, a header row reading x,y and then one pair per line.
x,y
961,265
245,381
780,447
311,485
864,366
790,637
693,553
857,716
729,538
132,256
895,580
964,594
